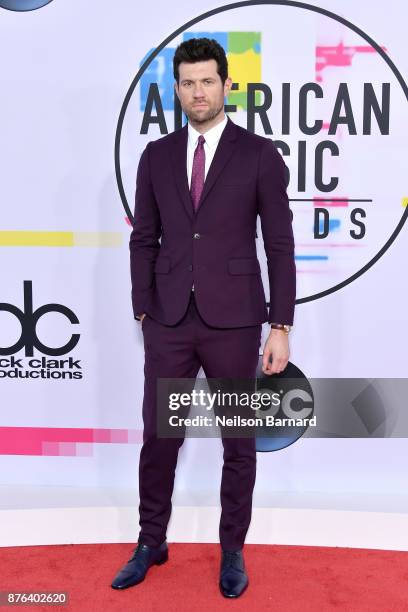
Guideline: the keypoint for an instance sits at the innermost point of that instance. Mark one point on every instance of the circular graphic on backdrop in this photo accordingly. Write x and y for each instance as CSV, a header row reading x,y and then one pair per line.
x,y
329,96
23,5
296,401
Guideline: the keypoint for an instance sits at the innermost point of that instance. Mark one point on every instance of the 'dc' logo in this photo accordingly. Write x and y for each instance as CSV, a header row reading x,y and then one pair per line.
x,y
29,318
23,5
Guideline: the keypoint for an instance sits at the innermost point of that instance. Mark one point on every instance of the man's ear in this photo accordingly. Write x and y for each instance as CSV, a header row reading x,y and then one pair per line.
x,y
227,85
176,89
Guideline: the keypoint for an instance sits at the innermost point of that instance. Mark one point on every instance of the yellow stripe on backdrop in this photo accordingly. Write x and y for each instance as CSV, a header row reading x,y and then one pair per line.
x,y
60,239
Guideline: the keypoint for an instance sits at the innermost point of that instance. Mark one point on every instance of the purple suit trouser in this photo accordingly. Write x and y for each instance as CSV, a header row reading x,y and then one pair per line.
x,y
179,351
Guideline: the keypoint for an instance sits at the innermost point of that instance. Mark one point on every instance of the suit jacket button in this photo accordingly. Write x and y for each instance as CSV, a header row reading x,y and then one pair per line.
x,y
190,268
196,236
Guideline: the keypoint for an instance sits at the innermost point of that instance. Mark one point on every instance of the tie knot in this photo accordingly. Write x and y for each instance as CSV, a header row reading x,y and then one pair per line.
x,y
201,140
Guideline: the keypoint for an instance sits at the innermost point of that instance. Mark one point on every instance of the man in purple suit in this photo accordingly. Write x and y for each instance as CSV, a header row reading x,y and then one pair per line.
x,y
198,292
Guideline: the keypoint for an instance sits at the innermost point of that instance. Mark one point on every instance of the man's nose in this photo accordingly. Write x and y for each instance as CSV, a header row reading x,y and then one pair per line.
x,y
198,91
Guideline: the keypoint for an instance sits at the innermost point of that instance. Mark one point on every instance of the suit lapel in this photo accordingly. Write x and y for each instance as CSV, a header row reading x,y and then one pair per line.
x,y
224,151
179,160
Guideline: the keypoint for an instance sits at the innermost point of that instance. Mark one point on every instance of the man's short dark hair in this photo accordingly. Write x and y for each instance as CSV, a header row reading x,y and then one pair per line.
x,y
200,50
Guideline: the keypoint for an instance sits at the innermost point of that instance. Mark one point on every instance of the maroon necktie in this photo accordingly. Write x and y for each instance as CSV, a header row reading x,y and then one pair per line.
x,y
197,174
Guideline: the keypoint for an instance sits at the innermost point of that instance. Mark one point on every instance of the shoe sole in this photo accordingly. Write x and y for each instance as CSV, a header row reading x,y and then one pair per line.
x,y
233,596
160,562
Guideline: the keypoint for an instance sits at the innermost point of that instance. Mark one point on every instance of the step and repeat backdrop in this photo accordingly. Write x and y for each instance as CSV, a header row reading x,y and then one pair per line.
x,y
85,85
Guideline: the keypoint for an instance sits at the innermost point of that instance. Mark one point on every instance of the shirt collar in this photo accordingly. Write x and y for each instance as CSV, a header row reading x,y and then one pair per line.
x,y
212,136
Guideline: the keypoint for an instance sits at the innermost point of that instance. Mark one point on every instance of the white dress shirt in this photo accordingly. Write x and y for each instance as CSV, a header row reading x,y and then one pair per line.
x,y
212,137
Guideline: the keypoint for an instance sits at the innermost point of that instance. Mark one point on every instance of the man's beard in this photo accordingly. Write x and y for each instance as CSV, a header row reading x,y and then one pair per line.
x,y
208,116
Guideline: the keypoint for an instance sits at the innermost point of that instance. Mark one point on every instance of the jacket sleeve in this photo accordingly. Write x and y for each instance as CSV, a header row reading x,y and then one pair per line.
x,y
277,232
144,242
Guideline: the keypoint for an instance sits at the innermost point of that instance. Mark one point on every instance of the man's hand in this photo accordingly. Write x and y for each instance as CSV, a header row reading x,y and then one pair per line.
x,y
277,347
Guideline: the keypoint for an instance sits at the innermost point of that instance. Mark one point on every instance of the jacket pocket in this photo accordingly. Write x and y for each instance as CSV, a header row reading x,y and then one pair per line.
x,y
244,265
162,265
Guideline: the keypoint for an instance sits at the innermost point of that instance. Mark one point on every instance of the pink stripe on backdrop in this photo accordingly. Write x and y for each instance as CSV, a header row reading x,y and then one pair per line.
x,y
62,441
331,202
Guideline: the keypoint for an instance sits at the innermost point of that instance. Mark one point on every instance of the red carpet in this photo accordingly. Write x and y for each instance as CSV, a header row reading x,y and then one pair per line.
x,y
281,578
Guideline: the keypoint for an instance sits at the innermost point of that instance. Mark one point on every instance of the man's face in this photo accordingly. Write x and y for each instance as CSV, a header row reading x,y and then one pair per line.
x,y
200,90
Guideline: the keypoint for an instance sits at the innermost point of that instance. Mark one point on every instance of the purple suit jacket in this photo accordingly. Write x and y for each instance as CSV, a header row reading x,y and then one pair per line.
x,y
172,247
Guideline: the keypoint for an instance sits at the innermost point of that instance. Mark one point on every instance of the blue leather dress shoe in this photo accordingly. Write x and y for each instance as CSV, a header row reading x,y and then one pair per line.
x,y
233,578
136,568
